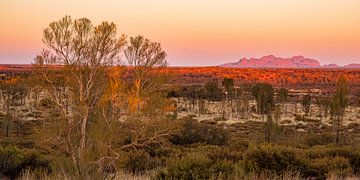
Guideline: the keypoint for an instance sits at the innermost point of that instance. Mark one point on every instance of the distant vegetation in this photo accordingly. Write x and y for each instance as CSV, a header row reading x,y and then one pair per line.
x,y
81,114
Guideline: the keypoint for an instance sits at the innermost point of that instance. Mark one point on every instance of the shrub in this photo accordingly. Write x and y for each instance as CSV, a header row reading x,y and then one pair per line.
x,y
191,166
223,168
193,132
350,153
224,153
138,162
319,139
321,167
277,159
195,166
14,161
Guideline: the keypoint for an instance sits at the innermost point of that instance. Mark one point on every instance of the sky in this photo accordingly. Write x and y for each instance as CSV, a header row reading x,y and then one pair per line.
x,y
198,32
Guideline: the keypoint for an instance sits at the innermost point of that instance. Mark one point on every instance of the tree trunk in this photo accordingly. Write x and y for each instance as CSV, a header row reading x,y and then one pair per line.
x,y
83,130
7,117
74,157
337,131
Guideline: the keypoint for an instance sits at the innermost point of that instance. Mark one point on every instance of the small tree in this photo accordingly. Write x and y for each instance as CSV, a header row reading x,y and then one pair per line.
x,y
145,57
358,99
145,124
213,92
264,96
272,130
228,83
339,103
242,102
12,89
283,97
306,103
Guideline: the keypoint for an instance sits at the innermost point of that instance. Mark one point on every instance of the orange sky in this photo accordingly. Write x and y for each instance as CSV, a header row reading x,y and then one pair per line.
x,y
199,32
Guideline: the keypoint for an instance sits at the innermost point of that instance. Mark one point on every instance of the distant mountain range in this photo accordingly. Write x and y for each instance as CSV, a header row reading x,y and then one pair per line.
x,y
278,62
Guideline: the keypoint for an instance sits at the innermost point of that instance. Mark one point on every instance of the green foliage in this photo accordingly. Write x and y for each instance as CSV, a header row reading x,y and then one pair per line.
x,y
283,95
340,99
319,139
272,130
306,102
195,166
140,161
321,167
339,103
14,161
264,96
228,83
276,159
213,92
193,132
225,168
192,166
224,153
350,153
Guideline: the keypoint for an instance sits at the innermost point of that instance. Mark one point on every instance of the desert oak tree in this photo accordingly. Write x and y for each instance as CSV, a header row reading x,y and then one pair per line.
x,y
82,51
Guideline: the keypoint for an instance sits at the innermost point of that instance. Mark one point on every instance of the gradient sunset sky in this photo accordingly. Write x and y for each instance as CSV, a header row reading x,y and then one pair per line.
x,y
199,32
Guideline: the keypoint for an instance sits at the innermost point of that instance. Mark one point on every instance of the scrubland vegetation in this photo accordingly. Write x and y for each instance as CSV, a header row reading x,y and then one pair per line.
x,y
81,114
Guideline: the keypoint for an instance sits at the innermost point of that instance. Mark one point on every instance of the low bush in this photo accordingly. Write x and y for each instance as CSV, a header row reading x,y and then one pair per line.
x,y
195,166
138,162
225,153
223,168
193,132
322,167
14,161
275,159
319,139
191,166
350,153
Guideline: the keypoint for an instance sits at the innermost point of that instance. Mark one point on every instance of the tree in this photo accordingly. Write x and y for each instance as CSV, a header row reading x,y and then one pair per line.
x,y
358,99
12,89
283,97
339,103
228,83
82,52
324,105
144,57
213,92
306,102
133,110
146,124
264,96
242,102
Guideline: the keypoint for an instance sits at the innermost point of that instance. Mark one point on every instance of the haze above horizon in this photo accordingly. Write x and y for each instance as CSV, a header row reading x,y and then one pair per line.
x,y
199,33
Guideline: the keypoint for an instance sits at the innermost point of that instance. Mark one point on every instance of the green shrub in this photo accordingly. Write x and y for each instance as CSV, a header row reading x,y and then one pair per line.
x,y
138,162
321,167
192,166
195,166
319,139
193,132
224,153
223,168
350,153
277,159
13,162
239,144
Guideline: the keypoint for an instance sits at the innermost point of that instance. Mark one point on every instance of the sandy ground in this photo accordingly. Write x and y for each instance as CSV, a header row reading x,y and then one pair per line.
x,y
213,111
287,116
